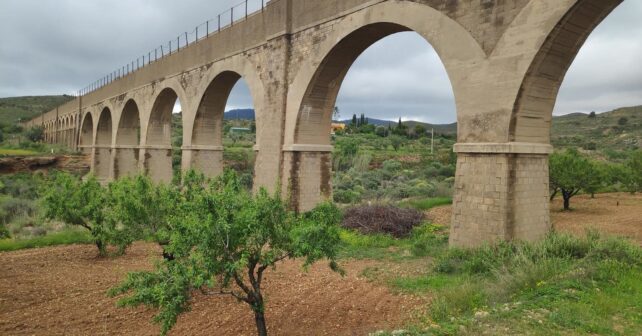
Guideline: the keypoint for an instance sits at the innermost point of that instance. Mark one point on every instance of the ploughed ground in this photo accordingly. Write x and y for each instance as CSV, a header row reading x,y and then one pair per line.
x,y
61,291
618,214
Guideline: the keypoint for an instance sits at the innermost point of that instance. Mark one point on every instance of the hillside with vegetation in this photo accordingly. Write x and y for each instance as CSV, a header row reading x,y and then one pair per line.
x,y
15,109
620,129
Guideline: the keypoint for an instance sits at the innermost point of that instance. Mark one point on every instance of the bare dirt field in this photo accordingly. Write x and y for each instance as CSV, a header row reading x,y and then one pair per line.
x,y
618,214
61,291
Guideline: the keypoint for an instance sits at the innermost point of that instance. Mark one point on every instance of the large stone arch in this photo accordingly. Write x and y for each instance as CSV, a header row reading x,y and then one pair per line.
x,y
310,102
103,145
533,109
203,145
127,140
158,134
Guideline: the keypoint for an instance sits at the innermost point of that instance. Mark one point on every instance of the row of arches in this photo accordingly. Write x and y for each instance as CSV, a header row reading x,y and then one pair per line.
x,y
504,91
61,131
136,136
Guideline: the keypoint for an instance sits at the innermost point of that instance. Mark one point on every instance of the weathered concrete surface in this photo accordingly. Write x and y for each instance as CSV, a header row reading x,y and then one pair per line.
x,y
505,59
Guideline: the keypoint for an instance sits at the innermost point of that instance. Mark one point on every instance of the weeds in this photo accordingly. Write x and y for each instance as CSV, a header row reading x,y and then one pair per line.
x,y
59,238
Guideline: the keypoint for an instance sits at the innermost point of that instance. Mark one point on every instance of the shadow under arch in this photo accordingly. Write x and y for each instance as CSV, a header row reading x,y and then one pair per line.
x,y
128,136
102,156
86,138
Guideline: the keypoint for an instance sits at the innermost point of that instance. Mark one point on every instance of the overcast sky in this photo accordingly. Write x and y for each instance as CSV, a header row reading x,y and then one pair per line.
x,y
50,47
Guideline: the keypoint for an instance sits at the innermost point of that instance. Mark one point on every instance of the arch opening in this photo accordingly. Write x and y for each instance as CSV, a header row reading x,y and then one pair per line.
x,y
86,134
224,128
347,154
127,141
163,141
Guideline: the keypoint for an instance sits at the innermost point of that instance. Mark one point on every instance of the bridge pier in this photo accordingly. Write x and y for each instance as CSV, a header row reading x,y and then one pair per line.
x,y
205,159
157,163
308,172
103,163
501,193
126,161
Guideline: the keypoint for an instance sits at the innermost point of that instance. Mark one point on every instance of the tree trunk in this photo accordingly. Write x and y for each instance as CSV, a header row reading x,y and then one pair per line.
x,y
261,327
567,202
102,250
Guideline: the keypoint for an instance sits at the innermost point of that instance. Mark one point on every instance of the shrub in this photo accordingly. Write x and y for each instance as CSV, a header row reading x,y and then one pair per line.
x,y
390,220
35,134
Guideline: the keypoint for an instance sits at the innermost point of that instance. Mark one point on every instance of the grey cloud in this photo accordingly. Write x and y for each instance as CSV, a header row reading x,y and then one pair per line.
x,y
55,47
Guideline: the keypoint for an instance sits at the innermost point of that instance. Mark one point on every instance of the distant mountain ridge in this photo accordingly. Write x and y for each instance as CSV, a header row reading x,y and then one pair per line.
x,y
617,129
16,109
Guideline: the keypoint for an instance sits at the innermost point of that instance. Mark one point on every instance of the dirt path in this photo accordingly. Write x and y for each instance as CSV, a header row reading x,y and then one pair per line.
x,y
616,214
61,291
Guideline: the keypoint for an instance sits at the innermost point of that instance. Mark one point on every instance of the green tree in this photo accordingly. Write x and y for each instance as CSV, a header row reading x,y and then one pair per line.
x,y
569,172
354,121
596,177
224,241
380,131
623,121
420,130
81,203
634,165
396,141
144,208
592,115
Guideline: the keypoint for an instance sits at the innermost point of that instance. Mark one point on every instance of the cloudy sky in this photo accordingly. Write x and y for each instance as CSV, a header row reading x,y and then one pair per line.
x,y
50,47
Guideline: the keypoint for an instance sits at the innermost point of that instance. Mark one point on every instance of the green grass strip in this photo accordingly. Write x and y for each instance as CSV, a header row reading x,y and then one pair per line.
x,y
60,238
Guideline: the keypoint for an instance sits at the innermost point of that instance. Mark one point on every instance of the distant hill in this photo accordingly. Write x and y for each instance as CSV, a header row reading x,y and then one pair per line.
x,y
439,128
14,109
247,114
618,129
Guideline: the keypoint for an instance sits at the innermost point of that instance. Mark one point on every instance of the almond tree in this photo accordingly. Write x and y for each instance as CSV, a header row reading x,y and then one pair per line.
x,y
223,240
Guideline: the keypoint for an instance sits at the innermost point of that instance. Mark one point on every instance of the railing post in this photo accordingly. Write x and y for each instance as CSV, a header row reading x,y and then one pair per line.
x,y
246,9
219,23
187,39
207,28
232,17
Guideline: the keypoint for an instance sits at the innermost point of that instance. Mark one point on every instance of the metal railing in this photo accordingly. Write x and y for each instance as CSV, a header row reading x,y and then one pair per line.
x,y
224,20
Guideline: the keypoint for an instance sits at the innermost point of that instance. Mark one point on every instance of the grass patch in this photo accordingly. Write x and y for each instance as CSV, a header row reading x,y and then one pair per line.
x,y
562,285
17,152
426,203
60,238
424,240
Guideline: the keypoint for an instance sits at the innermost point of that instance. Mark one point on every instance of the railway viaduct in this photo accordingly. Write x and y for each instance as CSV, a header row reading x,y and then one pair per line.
x,y
505,59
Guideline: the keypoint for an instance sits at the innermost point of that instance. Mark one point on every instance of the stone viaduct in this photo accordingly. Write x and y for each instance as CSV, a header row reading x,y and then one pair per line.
x,y
505,59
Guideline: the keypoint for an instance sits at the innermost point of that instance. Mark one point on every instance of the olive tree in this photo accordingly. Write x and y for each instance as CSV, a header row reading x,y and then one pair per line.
x,y
223,240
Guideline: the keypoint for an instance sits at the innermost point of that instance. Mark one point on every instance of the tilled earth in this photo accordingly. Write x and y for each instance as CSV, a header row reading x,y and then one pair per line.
x,y
61,291
618,214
